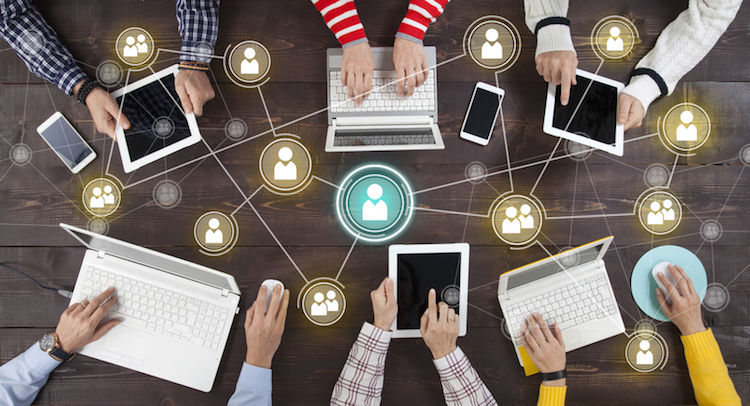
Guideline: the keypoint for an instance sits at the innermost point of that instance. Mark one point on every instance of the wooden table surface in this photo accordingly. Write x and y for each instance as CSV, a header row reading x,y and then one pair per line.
x,y
711,184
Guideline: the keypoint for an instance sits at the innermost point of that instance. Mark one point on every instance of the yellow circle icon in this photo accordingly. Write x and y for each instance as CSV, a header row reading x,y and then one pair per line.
x,y
248,63
101,197
493,43
613,37
286,166
686,127
216,233
660,212
134,46
517,220
323,303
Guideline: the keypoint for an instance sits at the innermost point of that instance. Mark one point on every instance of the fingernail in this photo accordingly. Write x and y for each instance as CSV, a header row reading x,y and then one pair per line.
x,y
388,281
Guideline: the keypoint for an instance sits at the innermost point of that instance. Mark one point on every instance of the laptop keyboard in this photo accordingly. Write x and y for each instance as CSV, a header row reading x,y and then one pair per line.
x,y
570,305
144,306
383,97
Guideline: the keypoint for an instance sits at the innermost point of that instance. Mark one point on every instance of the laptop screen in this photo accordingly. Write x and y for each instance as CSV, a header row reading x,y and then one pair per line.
x,y
550,266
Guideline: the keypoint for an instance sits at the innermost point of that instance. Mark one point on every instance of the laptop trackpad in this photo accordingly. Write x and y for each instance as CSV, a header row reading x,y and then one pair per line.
x,y
570,337
130,348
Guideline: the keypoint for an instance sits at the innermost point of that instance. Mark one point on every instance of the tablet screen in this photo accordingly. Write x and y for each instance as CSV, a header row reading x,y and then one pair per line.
x,y
595,118
417,273
156,119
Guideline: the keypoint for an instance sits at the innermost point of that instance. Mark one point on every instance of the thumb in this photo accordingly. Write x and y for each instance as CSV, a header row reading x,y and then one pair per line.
x,y
184,98
623,110
103,329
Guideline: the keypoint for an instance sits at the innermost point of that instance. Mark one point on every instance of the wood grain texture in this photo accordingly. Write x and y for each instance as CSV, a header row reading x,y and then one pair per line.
x,y
711,184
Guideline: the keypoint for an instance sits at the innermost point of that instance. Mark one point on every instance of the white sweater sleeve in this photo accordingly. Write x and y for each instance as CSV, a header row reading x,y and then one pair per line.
x,y
553,37
681,46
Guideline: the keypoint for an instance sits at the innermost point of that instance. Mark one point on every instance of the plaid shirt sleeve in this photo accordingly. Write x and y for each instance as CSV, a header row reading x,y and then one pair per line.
x,y
361,380
26,31
198,23
462,385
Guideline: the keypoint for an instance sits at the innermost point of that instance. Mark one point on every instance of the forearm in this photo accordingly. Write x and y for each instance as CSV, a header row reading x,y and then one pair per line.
x,y
421,13
708,372
198,24
342,18
253,387
547,19
36,43
461,382
361,379
551,395
23,377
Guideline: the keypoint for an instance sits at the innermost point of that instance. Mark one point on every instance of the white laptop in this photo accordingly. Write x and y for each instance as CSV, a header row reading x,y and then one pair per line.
x,y
176,315
383,122
571,288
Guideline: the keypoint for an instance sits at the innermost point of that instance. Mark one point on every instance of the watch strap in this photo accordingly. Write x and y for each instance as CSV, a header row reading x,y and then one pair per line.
x,y
58,354
86,88
553,376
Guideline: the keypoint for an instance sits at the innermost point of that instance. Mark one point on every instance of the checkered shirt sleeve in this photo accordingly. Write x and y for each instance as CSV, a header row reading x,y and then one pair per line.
x,y
198,23
361,379
36,43
461,382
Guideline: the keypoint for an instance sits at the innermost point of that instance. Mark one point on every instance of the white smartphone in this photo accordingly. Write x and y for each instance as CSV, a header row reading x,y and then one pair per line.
x,y
66,142
482,113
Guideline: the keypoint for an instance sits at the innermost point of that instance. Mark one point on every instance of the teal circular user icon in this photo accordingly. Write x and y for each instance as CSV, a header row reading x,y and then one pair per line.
x,y
374,203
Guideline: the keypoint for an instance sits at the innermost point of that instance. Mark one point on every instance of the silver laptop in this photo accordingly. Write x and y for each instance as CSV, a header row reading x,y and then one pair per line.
x,y
176,315
383,122
571,288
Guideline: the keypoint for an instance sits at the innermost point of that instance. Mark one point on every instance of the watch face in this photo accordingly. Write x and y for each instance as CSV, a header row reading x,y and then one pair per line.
x,y
47,342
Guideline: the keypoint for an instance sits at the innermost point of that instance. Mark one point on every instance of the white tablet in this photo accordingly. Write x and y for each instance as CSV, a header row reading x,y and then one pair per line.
x,y
415,269
590,118
158,125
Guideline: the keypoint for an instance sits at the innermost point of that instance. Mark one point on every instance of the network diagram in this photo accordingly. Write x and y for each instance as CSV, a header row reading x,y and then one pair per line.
x,y
374,203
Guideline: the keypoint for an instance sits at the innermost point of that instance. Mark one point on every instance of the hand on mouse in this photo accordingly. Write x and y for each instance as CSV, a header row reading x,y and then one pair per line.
x,y
545,346
263,330
685,310
384,305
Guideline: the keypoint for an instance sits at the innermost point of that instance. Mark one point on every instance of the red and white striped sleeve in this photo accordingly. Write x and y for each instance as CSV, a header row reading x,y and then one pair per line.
x,y
421,13
342,18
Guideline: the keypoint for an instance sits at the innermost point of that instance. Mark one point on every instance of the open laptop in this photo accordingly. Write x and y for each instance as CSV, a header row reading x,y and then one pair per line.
x,y
383,122
571,288
176,315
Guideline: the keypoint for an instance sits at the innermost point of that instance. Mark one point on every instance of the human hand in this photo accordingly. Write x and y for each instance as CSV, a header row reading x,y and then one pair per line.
x,y
384,305
263,331
194,90
79,323
545,346
439,331
105,112
356,71
630,111
559,68
411,65
685,310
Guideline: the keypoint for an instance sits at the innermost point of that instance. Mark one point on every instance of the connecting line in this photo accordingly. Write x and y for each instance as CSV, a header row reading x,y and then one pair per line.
x,y
507,151
623,247
738,275
730,192
546,164
347,257
326,182
671,174
25,102
485,311
265,107
56,188
642,137
493,283
247,200
707,165
466,224
119,114
278,242
452,212
6,173
607,156
131,211
591,216
224,168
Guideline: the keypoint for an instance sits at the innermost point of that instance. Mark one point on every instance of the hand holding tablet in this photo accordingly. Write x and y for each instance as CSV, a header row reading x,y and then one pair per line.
x,y
439,327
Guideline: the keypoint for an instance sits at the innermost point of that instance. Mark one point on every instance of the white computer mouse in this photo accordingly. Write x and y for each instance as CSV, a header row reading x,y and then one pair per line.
x,y
662,268
270,284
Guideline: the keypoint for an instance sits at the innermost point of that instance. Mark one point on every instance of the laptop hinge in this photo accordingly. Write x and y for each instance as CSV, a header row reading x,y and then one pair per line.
x,y
224,292
391,121
101,254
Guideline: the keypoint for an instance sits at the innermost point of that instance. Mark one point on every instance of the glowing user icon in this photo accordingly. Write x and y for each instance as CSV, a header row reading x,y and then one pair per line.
x,y
213,234
492,49
527,220
644,356
97,200
130,50
282,170
375,211
511,224
687,132
249,65
142,45
322,307
656,216
614,42
332,304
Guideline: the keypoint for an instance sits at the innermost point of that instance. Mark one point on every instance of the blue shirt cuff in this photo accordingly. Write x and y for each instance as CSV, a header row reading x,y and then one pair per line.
x,y
39,360
255,377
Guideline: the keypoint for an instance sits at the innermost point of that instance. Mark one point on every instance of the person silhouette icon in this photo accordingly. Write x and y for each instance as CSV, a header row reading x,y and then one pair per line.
x,y
97,200
213,234
332,304
527,220
130,50
319,308
687,132
288,170
375,211
656,217
614,42
249,65
142,46
668,211
109,197
492,49
511,225
645,356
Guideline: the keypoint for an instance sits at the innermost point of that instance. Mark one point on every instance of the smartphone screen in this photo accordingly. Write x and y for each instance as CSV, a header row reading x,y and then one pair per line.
x,y
66,142
482,113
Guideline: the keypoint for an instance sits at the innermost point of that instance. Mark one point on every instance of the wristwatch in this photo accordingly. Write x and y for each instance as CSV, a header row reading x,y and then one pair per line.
x,y
50,344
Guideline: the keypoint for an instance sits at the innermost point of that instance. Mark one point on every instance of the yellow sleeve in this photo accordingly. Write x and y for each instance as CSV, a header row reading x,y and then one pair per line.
x,y
708,372
551,395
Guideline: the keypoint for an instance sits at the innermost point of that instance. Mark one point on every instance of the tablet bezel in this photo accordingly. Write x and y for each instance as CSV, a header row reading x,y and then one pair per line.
x,y
461,248
549,111
195,135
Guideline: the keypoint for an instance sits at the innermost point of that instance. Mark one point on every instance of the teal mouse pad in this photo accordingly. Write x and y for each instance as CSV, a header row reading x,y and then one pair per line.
x,y
643,286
